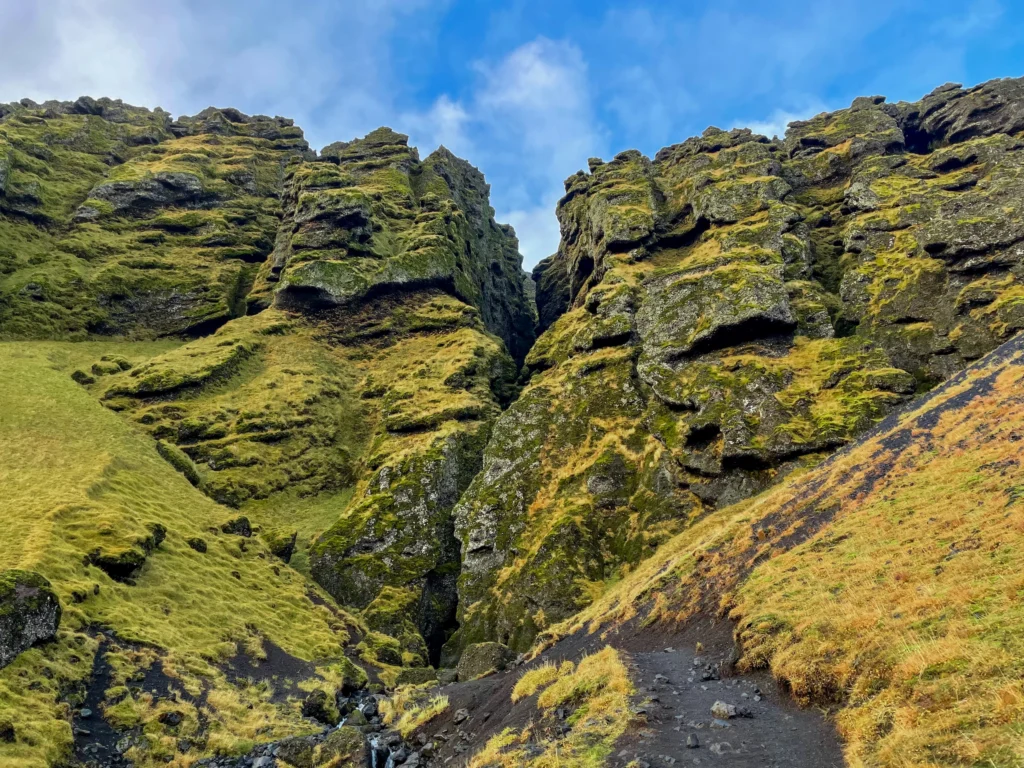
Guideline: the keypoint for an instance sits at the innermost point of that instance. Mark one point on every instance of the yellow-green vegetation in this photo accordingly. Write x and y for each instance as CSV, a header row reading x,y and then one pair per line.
x,y
259,406
410,707
725,314
598,691
78,479
925,513
128,223
539,677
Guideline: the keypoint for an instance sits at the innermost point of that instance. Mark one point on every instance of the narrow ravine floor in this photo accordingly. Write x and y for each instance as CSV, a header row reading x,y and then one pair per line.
x,y
677,687
680,695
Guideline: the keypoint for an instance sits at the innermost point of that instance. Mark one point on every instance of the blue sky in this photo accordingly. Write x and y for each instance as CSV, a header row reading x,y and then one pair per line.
x,y
525,90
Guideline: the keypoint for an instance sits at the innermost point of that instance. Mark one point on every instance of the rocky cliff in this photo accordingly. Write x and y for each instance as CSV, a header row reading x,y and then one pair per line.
x,y
728,312
286,423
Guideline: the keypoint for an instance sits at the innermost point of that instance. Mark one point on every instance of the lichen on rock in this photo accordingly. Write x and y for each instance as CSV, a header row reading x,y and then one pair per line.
x,y
726,313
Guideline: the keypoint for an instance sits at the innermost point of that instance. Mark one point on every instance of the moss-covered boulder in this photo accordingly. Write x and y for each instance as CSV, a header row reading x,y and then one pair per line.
x,y
29,613
481,659
345,747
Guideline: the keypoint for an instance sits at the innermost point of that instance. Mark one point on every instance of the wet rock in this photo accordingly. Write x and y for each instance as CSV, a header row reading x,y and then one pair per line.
x,y
356,719
30,613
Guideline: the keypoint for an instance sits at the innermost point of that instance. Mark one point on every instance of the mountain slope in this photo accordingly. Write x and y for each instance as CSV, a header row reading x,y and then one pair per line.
x,y
886,583
82,492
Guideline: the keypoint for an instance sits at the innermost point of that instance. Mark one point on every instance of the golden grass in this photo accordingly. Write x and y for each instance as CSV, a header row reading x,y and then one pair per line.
x,y
905,610
599,690
410,707
539,677
76,477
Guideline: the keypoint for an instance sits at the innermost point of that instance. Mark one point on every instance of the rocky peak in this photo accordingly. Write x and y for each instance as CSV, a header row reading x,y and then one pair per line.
x,y
368,218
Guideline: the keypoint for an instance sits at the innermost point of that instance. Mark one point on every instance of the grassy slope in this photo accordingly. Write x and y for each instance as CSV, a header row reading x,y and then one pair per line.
x,y
76,477
886,582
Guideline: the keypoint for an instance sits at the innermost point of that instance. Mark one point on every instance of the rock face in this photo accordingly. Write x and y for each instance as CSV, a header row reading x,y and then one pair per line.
x,y
370,219
387,313
29,613
117,220
727,312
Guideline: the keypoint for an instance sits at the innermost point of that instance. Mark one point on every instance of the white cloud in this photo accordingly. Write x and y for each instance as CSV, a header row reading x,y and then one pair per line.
x,y
528,124
775,124
68,48
537,229
446,123
255,55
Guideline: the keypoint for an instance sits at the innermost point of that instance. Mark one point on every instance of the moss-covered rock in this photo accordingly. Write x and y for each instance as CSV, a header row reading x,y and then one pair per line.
x,y
116,220
345,747
732,310
370,218
481,659
29,613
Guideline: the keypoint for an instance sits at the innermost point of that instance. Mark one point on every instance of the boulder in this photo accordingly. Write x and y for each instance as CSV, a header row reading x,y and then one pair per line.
x,y
29,613
482,659
321,707
416,676
296,752
238,526
345,747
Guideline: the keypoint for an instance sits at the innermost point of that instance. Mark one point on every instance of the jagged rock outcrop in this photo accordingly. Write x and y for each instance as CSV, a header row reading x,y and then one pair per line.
x,y
29,613
118,220
370,219
375,357
727,312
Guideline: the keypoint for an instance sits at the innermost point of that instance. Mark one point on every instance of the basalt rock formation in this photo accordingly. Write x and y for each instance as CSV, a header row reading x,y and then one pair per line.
x,y
732,310
29,613
304,410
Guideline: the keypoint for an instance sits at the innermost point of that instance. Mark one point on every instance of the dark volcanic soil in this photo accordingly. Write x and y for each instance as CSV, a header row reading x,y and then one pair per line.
x,y
769,729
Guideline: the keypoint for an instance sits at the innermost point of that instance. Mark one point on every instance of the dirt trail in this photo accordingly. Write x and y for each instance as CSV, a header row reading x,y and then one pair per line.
x,y
678,690
677,686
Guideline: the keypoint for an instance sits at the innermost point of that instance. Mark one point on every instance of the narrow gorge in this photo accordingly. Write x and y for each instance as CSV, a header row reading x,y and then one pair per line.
x,y
303,469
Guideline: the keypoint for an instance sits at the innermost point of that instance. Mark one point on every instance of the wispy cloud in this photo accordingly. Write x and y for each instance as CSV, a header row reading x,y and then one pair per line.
x,y
528,123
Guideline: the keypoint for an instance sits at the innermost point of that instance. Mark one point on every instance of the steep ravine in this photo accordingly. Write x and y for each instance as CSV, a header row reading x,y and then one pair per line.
x,y
304,370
